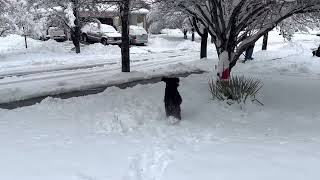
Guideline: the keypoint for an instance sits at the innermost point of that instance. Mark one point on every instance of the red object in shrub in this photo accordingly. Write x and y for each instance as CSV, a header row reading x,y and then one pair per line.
x,y
225,74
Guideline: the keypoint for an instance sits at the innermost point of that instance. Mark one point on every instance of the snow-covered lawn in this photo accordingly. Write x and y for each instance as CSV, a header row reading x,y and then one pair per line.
x,y
124,134
51,67
48,68
52,55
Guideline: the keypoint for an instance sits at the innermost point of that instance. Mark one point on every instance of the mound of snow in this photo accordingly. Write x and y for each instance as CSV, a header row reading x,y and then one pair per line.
x,y
172,32
15,44
161,44
99,48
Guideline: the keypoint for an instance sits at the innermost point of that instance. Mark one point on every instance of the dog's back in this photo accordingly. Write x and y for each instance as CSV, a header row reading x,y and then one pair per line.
x,y
172,94
172,98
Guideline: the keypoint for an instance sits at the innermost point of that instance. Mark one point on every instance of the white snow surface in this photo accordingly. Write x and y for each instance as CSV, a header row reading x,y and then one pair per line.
x,y
165,55
124,134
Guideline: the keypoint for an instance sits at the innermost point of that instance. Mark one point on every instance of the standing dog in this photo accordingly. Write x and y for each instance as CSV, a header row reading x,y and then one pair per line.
x,y
172,98
316,52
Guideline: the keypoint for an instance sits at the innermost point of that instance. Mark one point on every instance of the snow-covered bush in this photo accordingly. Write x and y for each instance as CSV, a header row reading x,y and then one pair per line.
x,y
161,17
238,89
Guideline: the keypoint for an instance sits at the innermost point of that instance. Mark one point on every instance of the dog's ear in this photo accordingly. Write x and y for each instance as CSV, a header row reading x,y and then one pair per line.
x,y
164,79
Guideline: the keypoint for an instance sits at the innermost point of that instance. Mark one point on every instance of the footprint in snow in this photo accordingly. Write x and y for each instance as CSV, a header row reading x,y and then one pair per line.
x,y
148,166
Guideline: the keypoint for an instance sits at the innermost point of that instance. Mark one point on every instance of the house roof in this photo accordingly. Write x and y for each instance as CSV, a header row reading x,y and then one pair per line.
x,y
140,11
110,9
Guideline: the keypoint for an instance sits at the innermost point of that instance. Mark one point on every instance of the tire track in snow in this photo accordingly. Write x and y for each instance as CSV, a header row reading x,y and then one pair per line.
x,y
89,73
167,54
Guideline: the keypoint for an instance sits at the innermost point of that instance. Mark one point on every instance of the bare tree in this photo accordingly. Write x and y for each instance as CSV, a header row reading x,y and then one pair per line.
x,y
124,10
76,27
125,45
265,41
204,34
64,11
299,23
165,16
13,16
237,24
4,22
161,17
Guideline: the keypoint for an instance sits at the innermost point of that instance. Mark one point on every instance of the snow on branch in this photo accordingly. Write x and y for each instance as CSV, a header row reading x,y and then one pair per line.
x,y
70,15
238,23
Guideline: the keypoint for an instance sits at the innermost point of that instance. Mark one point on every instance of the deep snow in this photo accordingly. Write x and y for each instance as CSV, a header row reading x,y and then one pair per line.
x,y
124,135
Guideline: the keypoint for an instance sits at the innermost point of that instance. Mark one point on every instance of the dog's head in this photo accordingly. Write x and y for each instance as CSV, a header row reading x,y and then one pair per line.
x,y
171,81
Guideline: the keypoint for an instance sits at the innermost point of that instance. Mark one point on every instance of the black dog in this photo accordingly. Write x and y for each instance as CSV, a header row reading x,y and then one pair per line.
x,y
316,52
172,98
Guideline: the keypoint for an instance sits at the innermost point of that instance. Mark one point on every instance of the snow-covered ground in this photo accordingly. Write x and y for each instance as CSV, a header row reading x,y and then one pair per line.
x,y
52,55
124,135
51,67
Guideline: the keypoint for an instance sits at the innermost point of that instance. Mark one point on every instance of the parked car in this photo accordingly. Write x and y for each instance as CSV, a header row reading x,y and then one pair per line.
x,y
105,34
56,33
138,35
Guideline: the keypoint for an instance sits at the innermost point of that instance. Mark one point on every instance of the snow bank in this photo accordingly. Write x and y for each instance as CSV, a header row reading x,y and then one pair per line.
x,y
14,89
288,58
172,32
15,44
99,48
123,134
177,33
167,44
48,55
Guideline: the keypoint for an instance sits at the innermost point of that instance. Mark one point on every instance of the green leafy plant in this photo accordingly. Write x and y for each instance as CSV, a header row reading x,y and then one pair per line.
x,y
237,89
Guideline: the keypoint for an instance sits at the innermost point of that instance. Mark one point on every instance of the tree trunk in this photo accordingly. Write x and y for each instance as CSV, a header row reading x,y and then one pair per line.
x,y
204,44
204,37
125,45
185,34
25,37
193,36
25,41
77,30
76,39
265,41
224,69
